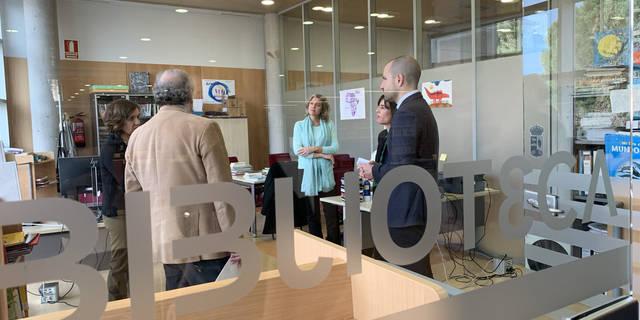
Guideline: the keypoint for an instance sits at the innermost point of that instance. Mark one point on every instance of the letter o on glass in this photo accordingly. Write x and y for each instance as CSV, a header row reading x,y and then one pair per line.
x,y
380,225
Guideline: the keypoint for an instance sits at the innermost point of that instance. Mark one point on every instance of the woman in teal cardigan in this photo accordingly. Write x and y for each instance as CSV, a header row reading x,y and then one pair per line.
x,y
315,141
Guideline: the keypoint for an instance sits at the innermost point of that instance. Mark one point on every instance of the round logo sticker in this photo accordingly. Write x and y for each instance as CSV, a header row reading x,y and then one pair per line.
x,y
218,90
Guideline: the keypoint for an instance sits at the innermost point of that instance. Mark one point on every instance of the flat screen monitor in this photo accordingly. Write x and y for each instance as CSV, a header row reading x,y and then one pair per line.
x,y
76,174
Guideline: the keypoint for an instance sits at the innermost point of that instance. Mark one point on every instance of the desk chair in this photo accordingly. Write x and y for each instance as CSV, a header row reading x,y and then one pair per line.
x,y
278,157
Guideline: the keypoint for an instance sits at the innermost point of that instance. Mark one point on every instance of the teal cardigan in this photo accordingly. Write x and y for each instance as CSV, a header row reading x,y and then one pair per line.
x,y
318,172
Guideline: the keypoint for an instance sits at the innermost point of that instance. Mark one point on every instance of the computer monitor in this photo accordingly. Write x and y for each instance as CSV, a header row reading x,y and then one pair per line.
x,y
78,173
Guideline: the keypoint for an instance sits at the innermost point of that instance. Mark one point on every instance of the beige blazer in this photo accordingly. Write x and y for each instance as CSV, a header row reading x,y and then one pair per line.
x,y
176,148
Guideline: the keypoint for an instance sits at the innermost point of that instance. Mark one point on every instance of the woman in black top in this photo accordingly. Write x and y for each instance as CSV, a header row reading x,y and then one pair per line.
x,y
384,114
121,118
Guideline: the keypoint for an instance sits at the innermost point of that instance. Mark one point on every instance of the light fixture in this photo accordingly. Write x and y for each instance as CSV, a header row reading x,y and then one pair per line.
x,y
81,90
12,31
181,10
383,16
319,66
540,11
295,49
282,76
374,14
617,18
308,23
317,8
358,27
212,61
145,39
87,85
508,1
124,57
76,93
431,21
327,9
69,100
267,2
371,53
504,30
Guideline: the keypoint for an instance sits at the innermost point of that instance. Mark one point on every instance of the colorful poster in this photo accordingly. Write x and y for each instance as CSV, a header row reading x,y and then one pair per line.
x,y
438,94
352,104
618,150
214,91
610,48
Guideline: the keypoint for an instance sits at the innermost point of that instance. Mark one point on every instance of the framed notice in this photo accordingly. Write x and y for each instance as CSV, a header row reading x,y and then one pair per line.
x,y
352,104
214,91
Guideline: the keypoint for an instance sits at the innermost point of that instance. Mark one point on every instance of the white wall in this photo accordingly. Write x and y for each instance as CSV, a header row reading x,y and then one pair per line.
x,y
108,30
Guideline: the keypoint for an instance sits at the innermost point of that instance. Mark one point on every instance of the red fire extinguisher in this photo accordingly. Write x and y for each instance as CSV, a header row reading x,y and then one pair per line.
x,y
77,130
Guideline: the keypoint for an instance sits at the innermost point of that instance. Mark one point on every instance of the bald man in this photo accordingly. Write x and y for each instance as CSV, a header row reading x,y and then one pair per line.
x,y
412,140
176,148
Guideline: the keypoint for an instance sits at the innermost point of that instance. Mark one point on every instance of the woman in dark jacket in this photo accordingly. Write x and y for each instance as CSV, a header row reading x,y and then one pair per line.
x,y
384,114
121,118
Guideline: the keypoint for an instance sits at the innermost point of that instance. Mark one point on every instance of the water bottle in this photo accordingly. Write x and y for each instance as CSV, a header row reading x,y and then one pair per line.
x,y
366,191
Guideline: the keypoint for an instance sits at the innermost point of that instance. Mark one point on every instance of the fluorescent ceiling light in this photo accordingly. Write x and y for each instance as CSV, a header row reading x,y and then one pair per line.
x,y
384,16
87,85
212,61
319,66
145,39
295,49
267,2
327,9
12,30
375,14
76,93
317,8
431,21
508,1
358,27
282,76
371,53
308,23
81,89
124,57
182,10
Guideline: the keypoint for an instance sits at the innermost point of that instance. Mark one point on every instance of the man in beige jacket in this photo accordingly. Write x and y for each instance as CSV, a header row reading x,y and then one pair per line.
x,y
176,148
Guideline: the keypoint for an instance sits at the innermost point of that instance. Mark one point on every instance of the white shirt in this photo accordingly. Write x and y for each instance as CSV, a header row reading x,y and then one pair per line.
x,y
405,96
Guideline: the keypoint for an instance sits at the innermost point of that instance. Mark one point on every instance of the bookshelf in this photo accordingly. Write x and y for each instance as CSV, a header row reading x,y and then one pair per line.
x,y
37,175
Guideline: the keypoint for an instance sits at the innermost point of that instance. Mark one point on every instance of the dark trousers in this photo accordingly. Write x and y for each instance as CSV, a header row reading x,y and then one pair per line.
x,y
405,238
194,273
330,217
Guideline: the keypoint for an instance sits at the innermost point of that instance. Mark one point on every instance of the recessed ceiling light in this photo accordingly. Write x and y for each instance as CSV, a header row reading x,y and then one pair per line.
x,y
508,1
12,30
212,61
358,27
431,21
374,14
371,53
617,18
145,39
124,57
385,16
87,85
182,10
319,66
317,8
327,9
308,23
295,49
81,90
504,30
76,93
282,76
267,2
69,100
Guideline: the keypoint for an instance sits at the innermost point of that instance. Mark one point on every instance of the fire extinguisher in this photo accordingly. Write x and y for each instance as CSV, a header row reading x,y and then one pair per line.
x,y
77,130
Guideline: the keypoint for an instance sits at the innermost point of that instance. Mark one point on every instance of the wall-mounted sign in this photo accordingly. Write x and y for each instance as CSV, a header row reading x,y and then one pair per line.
x,y
71,49
214,91
438,94
352,104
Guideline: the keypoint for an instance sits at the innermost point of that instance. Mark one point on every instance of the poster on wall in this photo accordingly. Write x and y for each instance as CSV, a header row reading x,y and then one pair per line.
x,y
438,94
610,48
618,148
214,91
352,104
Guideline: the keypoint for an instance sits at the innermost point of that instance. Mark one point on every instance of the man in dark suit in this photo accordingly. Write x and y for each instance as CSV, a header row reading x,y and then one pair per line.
x,y
412,140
